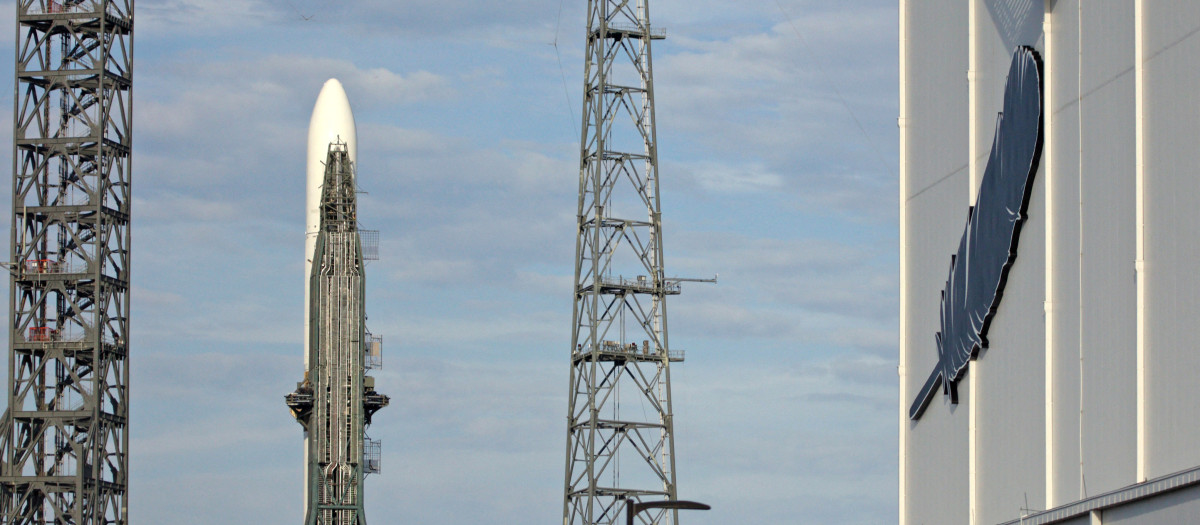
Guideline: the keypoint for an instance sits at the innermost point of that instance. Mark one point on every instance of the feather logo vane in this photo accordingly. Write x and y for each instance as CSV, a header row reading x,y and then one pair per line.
x,y
988,247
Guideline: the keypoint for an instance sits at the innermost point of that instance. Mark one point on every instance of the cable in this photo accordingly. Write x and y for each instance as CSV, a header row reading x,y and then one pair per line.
x,y
562,71
316,10
820,69
298,12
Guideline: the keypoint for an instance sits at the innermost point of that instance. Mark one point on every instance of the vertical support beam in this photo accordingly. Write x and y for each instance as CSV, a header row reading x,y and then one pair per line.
x,y
1048,153
1079,106
973,160
972,192
1140,226
905,395
64,439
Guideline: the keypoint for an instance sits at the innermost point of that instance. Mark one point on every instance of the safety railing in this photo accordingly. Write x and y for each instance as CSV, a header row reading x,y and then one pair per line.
x,y
372,456
641,283
373,353
655,33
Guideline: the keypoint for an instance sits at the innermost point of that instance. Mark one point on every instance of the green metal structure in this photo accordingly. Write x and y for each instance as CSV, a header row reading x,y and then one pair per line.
x,y
336,400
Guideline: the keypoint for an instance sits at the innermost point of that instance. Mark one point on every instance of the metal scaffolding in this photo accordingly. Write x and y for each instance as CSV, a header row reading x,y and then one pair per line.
x,y
336,400
620,439
63,439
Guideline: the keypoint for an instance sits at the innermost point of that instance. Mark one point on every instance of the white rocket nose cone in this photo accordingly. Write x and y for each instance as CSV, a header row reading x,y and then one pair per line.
x,y
332,120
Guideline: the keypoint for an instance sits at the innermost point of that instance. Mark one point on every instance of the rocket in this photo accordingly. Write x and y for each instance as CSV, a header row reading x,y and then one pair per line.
x,y
336,400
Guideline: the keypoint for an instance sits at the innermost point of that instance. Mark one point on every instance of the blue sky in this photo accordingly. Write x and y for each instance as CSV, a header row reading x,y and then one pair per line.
x,y
468,127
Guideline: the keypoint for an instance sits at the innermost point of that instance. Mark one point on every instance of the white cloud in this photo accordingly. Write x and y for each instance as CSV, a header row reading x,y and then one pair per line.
x,y
777,104
737,179
173,18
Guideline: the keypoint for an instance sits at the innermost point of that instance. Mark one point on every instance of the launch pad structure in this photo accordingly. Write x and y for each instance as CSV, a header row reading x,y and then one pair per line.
x,y
620,433
336,400
64,438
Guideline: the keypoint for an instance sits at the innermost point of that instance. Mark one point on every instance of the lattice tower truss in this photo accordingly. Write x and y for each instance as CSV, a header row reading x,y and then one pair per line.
x,y
64,440
336,400
620,439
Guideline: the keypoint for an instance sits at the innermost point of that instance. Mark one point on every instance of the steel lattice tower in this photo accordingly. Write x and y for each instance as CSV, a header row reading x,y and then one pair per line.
x,y
64,441
620,443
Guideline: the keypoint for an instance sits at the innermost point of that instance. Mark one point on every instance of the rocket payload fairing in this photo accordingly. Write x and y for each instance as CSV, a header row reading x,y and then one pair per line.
x,y
335,401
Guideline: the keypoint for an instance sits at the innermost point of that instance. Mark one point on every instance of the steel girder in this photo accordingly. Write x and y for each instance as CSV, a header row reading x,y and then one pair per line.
x,y
63,440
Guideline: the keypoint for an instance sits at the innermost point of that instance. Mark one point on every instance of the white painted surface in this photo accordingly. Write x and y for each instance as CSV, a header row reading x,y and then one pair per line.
x,y
935,458
1172,192
1108,292
1064,254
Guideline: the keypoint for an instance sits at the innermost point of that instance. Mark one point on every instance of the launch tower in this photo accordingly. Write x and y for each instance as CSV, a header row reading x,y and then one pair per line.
x,y
620,443
64,438
335,401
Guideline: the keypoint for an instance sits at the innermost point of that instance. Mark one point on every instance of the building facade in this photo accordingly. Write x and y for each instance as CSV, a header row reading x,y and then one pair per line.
x,y
1080,405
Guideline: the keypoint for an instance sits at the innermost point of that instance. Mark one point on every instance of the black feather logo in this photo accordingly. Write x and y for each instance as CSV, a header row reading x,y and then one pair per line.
x,y
989,243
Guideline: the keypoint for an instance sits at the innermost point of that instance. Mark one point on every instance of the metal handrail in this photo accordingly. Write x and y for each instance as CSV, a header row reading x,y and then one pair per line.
x,y
630,28
50,266
641,282
632,349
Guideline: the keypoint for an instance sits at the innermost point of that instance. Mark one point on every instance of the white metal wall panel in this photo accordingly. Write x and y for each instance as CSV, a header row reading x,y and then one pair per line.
x,y
1062,68
1172,173
1011,420
937,99
1109,293
935,457
1010,464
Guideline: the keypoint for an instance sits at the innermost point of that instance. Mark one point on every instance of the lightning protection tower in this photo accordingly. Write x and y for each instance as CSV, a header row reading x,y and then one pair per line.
x,y
63,439
620,443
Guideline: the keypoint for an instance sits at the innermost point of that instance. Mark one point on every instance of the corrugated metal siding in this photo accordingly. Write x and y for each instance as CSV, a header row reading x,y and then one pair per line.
x,y
1109,295
1063,64
936,456
1011,421
1010,466
1172,168
1175,507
